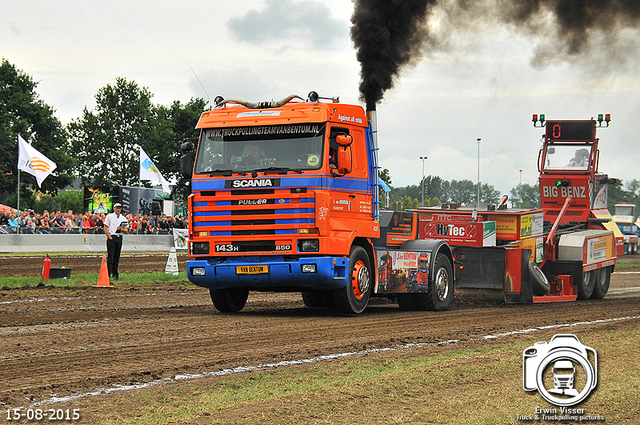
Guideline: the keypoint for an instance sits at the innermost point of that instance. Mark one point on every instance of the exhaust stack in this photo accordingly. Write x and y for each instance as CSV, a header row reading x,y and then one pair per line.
x,y
372,116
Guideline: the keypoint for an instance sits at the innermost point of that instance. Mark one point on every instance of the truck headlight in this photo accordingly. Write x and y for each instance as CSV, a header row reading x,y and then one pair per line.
x,y
198,271
308,245
309,268
199,248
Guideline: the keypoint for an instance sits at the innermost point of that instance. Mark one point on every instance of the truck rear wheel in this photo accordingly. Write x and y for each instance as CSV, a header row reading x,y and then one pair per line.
x,y
440,292
229,300
602,280
585,287
354,297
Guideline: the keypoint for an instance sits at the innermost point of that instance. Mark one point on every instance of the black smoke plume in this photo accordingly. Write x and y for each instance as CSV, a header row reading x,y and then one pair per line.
x,y
391,34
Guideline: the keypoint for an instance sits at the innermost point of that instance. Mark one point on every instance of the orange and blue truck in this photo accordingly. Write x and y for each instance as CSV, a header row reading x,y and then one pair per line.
x,y
285,197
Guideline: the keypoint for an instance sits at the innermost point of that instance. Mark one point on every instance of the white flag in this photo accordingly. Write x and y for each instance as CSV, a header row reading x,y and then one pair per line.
x,y
33,162
148,171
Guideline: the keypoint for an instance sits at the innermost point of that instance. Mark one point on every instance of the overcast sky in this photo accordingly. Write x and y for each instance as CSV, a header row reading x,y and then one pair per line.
x,y
485,85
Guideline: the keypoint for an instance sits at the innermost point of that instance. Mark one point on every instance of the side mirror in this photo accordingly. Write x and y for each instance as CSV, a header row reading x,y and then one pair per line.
x,y
186,146
344,163
344,139
186,164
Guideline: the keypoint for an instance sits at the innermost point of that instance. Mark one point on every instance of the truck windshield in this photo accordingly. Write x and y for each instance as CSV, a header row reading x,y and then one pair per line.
x,y
567,157
276,148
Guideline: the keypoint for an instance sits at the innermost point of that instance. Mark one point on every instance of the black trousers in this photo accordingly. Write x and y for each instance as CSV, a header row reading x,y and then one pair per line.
x,y
114,246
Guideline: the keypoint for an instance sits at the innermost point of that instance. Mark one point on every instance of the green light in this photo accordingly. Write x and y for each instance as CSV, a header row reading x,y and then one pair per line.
x,y
600,117
558,183
542,117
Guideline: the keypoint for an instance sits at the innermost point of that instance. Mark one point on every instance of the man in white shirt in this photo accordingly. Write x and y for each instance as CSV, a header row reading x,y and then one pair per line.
x,y
115,224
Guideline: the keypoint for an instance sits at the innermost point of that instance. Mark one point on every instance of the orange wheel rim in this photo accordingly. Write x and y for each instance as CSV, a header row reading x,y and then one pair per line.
x,y
360,279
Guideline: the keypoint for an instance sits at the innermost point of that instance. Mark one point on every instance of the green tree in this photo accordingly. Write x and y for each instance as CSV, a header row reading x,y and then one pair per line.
x,y
525,196
435,187
617,194
488,194
23,113
174,125
463,192
106,142
633,187
408,203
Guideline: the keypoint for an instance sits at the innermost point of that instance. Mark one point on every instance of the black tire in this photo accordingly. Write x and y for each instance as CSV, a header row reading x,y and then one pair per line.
x,y
586,285
312,299
602,280
539,282
229,300
440,292
354,297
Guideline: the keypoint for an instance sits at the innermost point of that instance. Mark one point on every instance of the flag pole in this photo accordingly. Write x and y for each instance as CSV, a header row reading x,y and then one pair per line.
x,y
18,202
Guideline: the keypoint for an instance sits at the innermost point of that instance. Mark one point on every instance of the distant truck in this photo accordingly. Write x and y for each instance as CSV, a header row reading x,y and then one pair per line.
x,y
624,217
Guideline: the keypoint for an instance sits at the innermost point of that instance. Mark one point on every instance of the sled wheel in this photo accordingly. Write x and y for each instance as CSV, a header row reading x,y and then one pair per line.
x,y
602,280
539,282
585,287
353,298
229,300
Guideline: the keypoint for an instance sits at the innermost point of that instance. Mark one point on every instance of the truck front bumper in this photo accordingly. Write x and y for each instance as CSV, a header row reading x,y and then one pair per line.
x,y
280,274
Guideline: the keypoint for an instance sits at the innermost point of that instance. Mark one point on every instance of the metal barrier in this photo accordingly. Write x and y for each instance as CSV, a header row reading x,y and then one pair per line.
x,y
82,243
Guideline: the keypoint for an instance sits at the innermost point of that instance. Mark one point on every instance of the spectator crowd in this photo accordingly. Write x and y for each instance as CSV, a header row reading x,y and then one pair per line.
x,y
29,222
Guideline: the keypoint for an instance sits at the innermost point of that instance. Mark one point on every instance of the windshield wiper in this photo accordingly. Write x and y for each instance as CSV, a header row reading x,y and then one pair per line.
x,y
226,172
279,170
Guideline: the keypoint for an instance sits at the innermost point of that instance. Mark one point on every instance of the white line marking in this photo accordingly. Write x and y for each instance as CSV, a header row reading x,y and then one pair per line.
x,y
243,369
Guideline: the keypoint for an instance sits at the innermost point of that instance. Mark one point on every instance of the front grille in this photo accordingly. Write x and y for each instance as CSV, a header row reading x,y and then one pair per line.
x,y
233,216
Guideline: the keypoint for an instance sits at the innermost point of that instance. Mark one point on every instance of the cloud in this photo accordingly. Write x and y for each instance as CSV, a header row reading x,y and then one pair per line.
x,y
288,21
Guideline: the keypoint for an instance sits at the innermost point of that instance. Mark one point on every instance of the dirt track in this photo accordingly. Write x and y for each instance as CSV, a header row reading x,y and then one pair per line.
x,y
62,342
30,265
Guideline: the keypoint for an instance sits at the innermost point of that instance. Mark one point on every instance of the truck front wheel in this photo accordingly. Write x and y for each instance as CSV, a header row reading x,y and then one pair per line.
x,y
354,297
229,300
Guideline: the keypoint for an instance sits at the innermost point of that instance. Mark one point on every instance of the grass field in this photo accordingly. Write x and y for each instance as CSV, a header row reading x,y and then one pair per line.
x,y
89,279
445,384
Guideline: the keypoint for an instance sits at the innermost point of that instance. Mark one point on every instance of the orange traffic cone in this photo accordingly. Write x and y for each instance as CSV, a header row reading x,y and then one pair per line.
x,y
103,279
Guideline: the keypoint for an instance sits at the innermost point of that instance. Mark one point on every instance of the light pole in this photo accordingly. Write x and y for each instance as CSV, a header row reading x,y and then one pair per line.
x,y
520,188
423,158
478,200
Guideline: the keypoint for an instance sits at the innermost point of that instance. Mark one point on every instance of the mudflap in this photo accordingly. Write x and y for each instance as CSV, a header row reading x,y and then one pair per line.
x,y
504,269
479,267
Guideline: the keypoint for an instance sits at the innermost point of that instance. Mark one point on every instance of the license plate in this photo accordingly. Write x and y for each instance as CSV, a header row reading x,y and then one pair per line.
x,y
252,269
